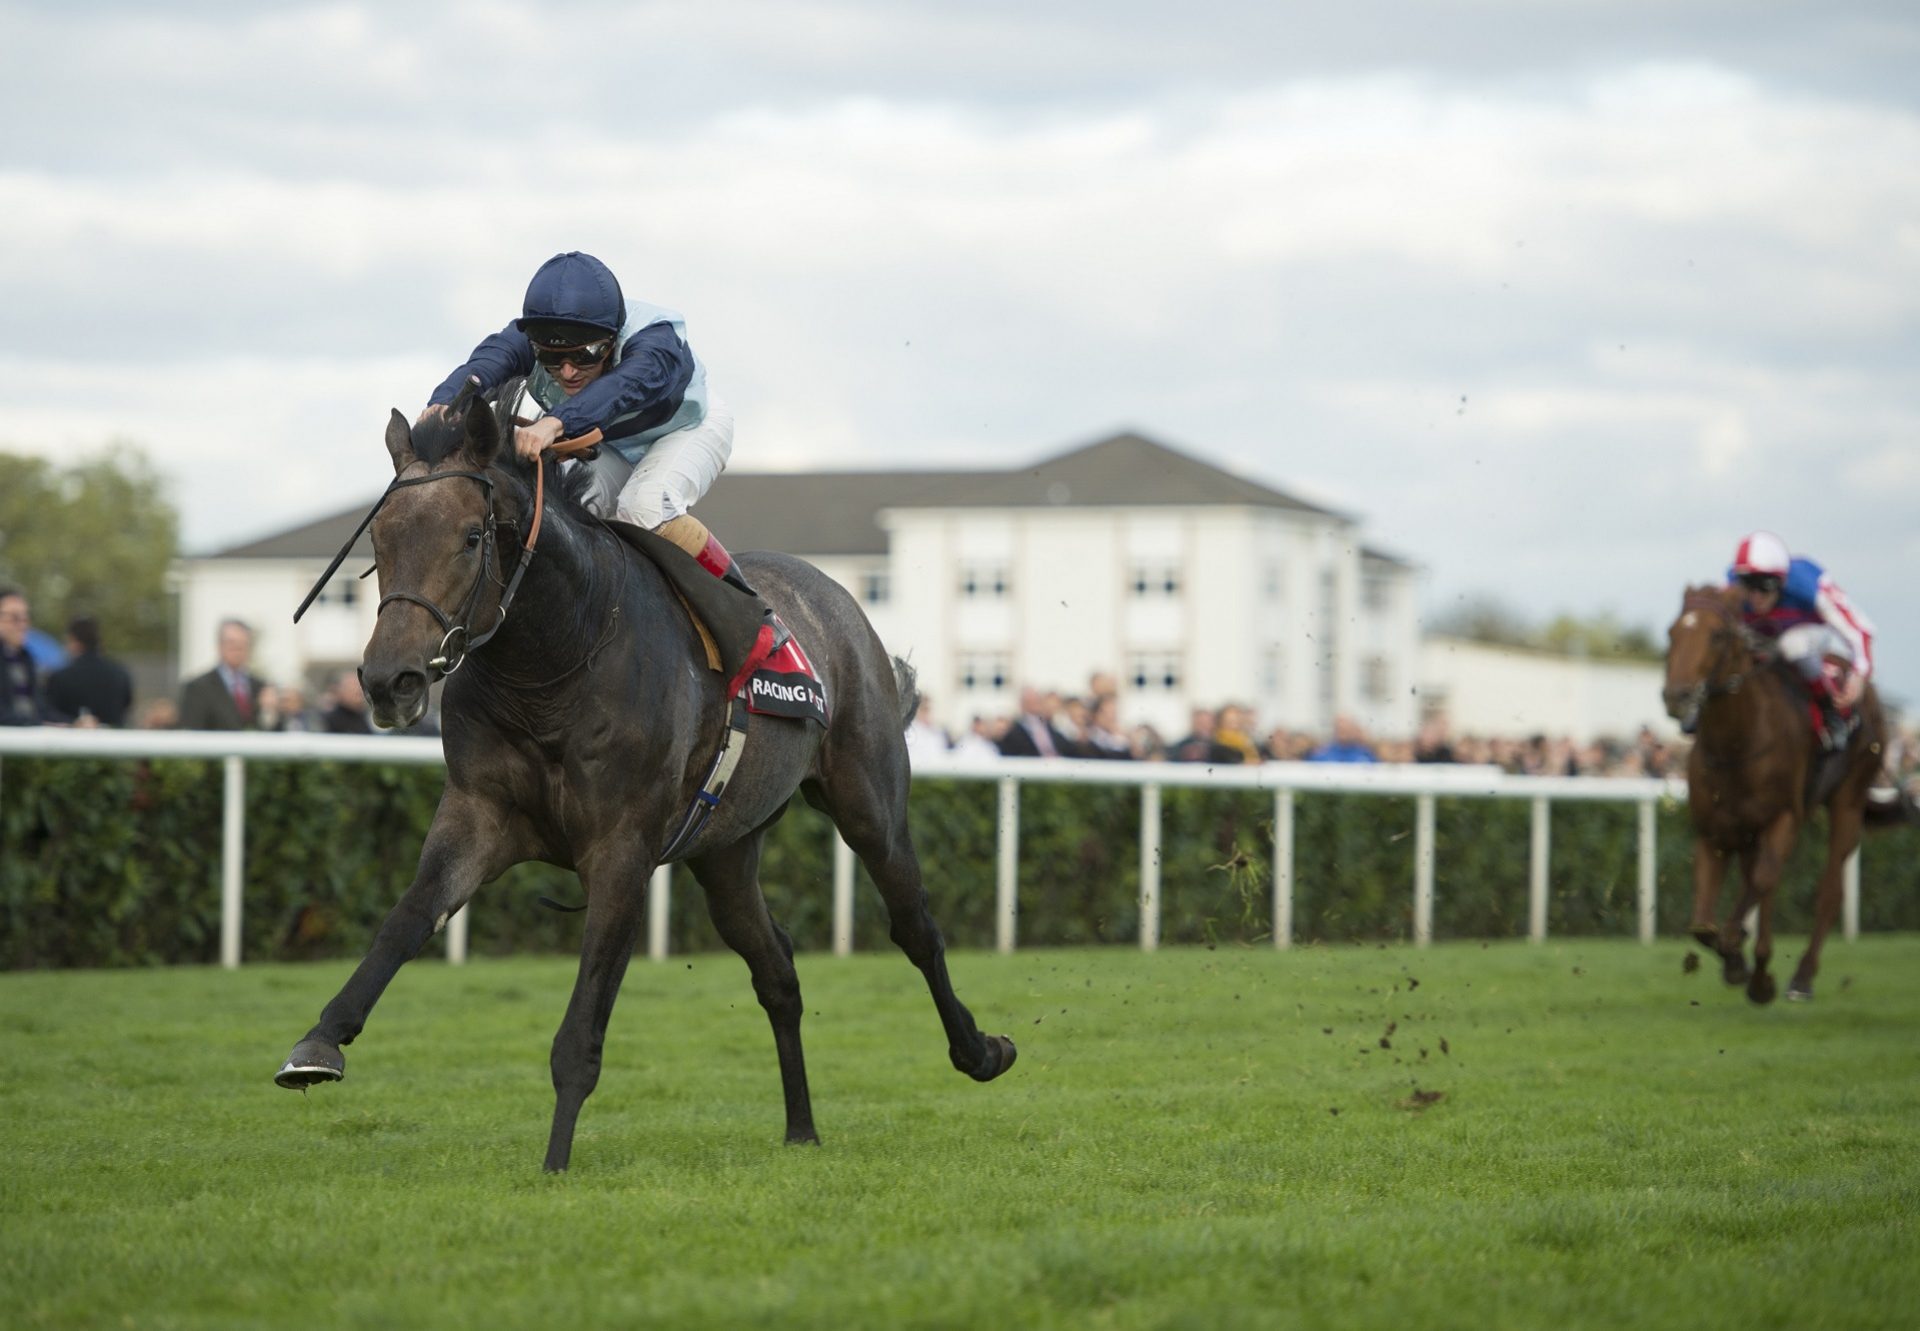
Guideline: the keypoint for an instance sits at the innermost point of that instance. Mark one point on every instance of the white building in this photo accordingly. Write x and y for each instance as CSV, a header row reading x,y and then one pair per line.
x,y
1193,585
1491,690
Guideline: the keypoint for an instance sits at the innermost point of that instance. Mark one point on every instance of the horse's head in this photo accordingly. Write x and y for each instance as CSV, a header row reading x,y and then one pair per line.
x,y
435,546
1706,652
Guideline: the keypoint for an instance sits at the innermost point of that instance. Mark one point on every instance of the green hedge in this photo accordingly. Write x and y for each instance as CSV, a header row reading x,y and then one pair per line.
x,y
117,863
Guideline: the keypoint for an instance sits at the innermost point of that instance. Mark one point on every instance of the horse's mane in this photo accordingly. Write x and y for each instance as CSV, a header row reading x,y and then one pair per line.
x,y
441,436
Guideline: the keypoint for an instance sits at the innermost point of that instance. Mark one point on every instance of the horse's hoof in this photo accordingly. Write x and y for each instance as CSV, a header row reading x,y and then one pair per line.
x,y
311,1062
807,1138
1760,989
998,1058
1733,970
1707,936
1799,992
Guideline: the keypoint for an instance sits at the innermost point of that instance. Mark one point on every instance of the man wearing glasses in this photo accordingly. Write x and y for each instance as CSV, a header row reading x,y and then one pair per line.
x,y
1792,600
594,360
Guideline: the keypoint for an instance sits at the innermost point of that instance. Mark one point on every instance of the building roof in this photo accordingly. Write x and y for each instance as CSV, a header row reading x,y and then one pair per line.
x,y
837,513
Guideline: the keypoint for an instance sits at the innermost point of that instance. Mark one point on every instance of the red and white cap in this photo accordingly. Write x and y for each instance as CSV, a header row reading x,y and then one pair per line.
x,y
1762,553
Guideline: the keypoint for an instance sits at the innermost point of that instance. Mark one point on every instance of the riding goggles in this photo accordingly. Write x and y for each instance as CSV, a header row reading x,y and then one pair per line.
x,y
585,356
1760,582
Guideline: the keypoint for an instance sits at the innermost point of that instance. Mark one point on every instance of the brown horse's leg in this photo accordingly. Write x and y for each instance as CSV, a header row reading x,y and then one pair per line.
x,y
1842,841
731,878
1770,864
1731,940
871,814
463,849
1709,872
616,907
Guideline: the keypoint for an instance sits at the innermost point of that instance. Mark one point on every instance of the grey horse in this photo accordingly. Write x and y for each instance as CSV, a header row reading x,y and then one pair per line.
x,y
582,734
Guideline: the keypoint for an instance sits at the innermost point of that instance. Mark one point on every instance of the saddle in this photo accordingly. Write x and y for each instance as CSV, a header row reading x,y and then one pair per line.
x,y
728,621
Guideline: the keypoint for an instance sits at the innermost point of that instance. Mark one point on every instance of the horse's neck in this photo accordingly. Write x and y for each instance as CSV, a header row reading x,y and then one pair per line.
x,y
565,601
1734,725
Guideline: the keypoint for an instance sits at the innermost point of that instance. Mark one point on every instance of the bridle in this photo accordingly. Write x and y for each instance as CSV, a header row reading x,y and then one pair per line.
x,y
459,641
1715,604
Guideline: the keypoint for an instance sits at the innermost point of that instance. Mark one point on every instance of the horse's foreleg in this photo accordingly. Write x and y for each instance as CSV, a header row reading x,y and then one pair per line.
x,y
730,877
1842,840
464,848
1769,866
616,907
1709,872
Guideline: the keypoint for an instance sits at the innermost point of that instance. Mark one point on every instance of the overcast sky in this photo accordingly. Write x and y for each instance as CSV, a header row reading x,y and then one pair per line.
x,y
1562,297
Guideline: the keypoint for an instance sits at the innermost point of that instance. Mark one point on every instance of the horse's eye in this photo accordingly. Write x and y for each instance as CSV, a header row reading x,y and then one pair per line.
x,y
473,539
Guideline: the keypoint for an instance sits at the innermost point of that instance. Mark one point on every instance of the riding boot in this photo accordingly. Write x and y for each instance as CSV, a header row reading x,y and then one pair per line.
x,y
691,535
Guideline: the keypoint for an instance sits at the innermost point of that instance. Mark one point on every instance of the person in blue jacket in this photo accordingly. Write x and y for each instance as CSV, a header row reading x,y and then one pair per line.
x,y
592,359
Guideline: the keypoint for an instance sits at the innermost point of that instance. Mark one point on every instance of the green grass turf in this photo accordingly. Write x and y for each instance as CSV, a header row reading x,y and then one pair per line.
x,y
1619,1144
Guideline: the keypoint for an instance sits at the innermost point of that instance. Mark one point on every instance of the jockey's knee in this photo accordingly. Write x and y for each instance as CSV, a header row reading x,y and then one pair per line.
x,y
649,506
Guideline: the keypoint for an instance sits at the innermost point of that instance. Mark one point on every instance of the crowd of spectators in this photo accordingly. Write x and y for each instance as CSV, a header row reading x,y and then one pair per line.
x,y
77,684
1049,724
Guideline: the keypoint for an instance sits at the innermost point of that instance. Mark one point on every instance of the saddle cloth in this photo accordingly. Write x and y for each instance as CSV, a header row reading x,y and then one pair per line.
x,y
775,681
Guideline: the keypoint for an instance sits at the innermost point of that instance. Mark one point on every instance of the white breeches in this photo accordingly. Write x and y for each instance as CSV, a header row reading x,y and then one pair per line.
x,y
671,475
1807,646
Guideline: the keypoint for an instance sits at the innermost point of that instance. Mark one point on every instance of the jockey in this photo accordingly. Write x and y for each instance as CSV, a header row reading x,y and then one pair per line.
x,y
594,360
1793,601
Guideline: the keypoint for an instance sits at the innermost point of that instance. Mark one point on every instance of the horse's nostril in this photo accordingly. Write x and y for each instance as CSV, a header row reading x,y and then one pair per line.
x,y
408,685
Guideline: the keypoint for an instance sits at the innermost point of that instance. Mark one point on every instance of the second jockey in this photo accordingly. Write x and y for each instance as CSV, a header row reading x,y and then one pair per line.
x,y
1793,601
593,360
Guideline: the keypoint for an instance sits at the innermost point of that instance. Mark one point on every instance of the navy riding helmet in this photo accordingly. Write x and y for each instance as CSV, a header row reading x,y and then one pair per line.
x,y
573,292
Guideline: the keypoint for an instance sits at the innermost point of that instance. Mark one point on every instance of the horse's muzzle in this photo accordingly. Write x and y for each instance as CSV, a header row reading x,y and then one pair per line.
x,y
1684,705
396,698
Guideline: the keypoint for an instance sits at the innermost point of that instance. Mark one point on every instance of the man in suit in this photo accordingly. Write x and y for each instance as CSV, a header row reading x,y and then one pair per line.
x,y
225,698
19,677
89,684
1033,734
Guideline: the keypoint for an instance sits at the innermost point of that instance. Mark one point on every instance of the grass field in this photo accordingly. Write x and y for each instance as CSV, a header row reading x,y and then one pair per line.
x,y
1193,1138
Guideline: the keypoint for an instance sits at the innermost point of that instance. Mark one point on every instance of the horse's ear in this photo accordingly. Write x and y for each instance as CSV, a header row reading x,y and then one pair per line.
x,y
400,442
483,433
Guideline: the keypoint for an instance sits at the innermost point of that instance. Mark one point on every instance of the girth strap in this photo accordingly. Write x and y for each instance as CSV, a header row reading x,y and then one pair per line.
x,y
707,798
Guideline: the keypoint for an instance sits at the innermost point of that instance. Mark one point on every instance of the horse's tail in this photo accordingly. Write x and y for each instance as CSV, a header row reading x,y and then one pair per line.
x,y
906,684
1898,810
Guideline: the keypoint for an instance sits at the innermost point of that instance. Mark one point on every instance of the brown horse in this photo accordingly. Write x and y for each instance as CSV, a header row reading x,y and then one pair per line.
x,y
1755,777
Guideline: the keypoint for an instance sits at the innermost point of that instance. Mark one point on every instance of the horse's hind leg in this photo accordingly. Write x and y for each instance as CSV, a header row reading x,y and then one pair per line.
x,y
1842,840
871,813
730,877
616,906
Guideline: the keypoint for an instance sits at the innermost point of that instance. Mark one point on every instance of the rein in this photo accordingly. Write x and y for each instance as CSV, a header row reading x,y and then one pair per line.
x,y
459,641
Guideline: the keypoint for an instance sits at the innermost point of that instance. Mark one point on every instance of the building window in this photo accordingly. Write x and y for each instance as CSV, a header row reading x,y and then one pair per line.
x,y
343,591
1274,582
979,582
1376,594
1156,580
1376,678
984,672
1154,672
876,587
1273,671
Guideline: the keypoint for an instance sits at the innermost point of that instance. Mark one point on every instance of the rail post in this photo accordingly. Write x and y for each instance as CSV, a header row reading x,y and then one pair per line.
x,y
233,858
1850,897
659,910
1537,871
1149,867
1646,870
1283,868
457,937
1005,900
842,897
1422,870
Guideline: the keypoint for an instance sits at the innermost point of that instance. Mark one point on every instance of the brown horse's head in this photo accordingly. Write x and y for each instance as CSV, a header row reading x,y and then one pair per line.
x,y
434,547
1706,652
